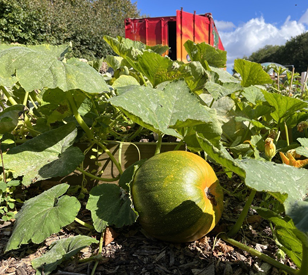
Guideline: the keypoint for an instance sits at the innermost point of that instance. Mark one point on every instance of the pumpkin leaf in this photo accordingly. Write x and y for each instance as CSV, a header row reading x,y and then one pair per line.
x,y
9,118
124,81
303,149
271,177
285,106
220,155
251,73
128,175
56,156
37,69
107,199
286,233
42,216
60,251
206,54
174,107
159,69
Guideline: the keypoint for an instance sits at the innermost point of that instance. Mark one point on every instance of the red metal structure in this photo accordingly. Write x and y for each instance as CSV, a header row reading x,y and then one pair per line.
x,y
174,31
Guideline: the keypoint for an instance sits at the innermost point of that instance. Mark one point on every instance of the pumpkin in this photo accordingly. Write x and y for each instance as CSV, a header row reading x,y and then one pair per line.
x,y
177,196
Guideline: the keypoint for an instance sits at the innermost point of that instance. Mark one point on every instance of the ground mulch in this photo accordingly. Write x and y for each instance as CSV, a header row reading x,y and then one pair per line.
x,y
128,251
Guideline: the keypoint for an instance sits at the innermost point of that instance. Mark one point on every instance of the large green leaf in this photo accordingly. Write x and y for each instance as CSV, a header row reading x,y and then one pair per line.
x,y
251,73
253,94
58,51
36,69
125,80
220,155
206,54
9,118
174,107
303,149
271,177
159,69
197,76
126,47
60,251
42,216
286,233
285,106
110,205
45,156
56,106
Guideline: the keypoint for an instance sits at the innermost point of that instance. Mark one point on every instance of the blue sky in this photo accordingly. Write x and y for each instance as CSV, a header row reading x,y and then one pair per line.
x,y
244,26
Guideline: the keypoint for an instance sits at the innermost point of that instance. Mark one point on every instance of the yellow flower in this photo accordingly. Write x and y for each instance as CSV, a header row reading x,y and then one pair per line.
x,y
290,160
270,148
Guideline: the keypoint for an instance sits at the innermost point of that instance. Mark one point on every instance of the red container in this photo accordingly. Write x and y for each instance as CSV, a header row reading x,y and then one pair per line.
x,y
174,31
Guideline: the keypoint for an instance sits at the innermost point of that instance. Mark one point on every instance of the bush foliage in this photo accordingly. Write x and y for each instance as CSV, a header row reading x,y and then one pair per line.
x,y
82,22
294,52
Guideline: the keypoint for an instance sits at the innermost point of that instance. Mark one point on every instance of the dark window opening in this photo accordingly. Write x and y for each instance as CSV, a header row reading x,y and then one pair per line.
x,y
172,39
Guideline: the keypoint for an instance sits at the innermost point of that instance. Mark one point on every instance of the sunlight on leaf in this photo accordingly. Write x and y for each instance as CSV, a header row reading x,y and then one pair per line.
x,y
42,216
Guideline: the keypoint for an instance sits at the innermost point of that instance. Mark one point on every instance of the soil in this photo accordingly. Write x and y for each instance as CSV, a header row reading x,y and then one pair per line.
x,y
128,251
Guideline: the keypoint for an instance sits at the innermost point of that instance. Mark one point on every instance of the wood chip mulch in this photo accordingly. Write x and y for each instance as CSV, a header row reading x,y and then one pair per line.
x,y
129,252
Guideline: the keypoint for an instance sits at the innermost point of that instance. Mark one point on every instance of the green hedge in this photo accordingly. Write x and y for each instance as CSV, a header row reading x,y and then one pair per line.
x,y
82,22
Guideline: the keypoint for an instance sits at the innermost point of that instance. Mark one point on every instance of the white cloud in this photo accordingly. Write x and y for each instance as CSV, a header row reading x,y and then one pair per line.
x,y
224,25
255,34
304,18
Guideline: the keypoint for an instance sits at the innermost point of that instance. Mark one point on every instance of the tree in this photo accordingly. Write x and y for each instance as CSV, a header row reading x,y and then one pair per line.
x,y
294,52
82,22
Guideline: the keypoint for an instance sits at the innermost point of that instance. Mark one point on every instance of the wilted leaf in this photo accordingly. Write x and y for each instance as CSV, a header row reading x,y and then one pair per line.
x,y
45,156
60,251
42,216
110,205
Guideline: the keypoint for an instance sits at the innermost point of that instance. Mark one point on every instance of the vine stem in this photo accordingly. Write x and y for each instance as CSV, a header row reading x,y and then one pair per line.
x,y
26,99
304,267
2,162
95,177
9,97
100,249
88,132
287,133
158,144
237,226
84,223
262,256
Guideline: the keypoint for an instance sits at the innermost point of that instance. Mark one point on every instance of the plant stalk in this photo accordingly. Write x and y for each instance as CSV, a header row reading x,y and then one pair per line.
x,y
261,256
88,132
237,226
158,144
84,223
95,177
304,267
100,249
26,99
287,133
8,96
